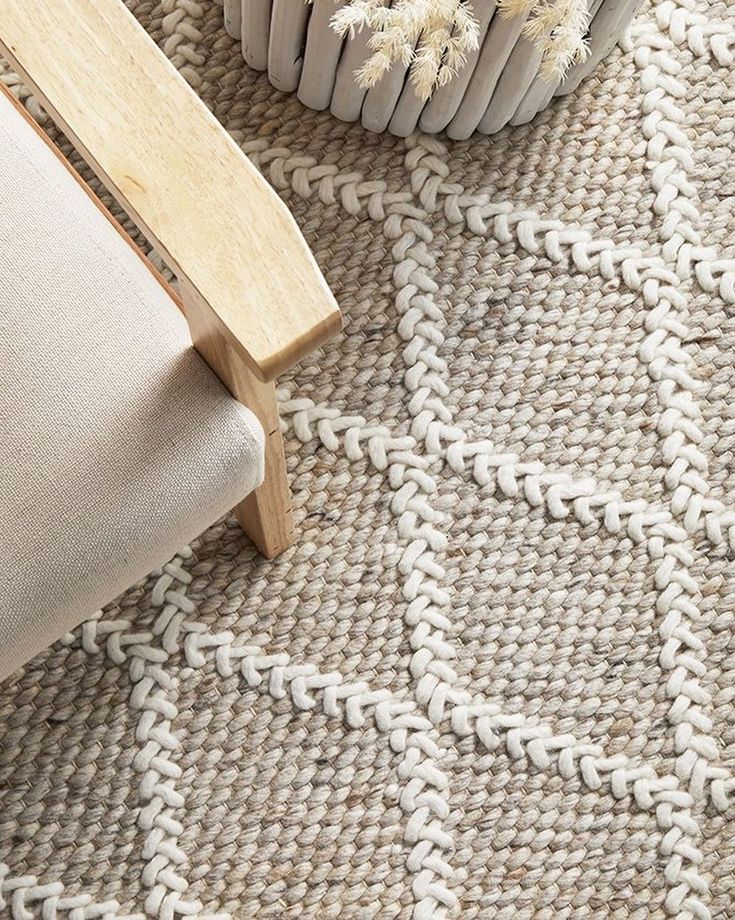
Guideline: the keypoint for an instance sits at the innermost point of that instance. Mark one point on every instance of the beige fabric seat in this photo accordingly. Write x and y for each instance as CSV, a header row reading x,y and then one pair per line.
x,y
117,443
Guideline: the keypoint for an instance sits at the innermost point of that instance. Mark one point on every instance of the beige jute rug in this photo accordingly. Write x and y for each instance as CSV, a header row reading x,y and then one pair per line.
x,y
494,678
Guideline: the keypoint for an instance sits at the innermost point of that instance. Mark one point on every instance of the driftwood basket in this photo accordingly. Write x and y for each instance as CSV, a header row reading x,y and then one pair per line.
x,y
499,85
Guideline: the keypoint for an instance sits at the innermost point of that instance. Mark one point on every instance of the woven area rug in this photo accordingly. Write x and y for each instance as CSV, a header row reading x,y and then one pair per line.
x,y
494,678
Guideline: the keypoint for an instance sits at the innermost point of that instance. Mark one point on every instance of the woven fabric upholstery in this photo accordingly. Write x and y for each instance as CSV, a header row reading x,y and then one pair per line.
x,y
117,443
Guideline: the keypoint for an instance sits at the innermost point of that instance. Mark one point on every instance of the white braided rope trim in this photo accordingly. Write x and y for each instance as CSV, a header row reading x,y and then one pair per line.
x,y
681,650
165,860
669,150
436,689
307,687
423,797
671,806
24,898
432,422
563,497
409,213
703,36
661,352
150,697
181,35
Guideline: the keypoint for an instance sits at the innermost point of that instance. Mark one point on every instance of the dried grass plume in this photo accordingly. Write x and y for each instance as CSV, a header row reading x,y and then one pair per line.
x,y
557,27
433,37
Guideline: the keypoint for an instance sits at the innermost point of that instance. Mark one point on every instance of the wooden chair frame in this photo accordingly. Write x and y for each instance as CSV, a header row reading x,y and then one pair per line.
x,y
253,296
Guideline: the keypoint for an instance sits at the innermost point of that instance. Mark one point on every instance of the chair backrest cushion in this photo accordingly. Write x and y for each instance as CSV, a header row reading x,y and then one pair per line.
x,y
117,443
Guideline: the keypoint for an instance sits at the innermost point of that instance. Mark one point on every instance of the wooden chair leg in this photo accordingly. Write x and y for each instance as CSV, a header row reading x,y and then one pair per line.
x,y
265,515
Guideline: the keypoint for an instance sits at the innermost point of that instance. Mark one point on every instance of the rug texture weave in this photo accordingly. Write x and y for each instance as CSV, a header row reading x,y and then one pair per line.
x,y
494,678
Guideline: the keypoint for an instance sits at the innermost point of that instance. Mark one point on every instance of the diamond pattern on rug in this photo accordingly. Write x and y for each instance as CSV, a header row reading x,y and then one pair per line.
x,y
493,679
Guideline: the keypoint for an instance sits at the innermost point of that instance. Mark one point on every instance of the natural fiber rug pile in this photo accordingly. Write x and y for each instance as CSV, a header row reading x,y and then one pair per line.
x,y
495,676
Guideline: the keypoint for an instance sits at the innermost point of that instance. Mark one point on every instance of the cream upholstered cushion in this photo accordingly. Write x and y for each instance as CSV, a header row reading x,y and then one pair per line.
x,y
117,443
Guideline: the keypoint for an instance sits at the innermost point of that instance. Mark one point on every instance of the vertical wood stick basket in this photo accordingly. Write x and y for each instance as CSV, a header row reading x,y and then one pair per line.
x,y
500,84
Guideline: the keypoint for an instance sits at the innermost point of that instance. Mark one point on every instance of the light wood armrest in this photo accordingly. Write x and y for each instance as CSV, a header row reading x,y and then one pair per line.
x,y
183,180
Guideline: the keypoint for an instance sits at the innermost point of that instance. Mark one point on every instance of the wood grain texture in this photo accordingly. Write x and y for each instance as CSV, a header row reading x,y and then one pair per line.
x,y
286,43
500,40
233,18
518,74
347,94
446,99
177,172
381,99
255,25
322,52
265,515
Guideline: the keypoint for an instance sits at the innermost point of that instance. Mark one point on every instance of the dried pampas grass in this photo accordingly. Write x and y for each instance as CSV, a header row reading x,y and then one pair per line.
x,y
557,27
434,37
